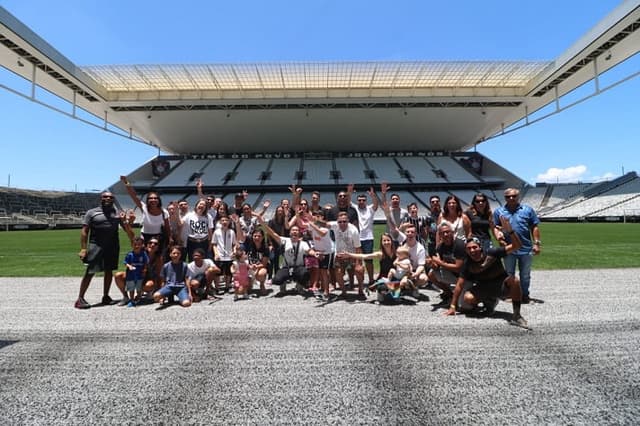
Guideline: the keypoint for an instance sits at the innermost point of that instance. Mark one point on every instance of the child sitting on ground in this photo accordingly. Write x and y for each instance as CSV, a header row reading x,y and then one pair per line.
x,y
136,263
242,277
174,279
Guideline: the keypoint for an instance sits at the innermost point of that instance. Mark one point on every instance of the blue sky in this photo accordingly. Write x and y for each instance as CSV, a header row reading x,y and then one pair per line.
x,y
43,149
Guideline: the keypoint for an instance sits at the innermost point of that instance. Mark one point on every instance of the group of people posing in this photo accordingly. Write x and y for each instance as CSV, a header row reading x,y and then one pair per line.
x,y
324,250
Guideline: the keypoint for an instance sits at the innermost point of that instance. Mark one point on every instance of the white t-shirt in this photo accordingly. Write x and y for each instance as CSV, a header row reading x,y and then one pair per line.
x,y
322,244
401,272
193,269
294,252
197,226
365,220
417,253
347,240
152,224
224,241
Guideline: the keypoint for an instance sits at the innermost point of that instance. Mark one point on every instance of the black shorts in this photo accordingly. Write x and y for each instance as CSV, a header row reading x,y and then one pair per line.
x,y
490,290
225,266
326,261
102,259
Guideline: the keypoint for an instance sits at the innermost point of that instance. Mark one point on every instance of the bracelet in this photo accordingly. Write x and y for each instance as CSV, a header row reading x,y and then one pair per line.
x,y
452,306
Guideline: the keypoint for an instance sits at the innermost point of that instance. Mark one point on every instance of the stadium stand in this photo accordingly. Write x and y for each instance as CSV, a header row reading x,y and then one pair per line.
x,y
250,172
351,170
611,197
534,195
419,170
185,174
560,193
220,172
411,176
284,171
21,207
451,170
387,170
316,172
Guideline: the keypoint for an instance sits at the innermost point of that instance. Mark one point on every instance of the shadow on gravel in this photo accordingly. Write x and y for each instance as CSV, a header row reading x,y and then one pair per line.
x,y
5,343
498,315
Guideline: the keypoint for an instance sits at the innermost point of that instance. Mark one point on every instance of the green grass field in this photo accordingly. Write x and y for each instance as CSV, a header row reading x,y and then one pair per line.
x,y
565,246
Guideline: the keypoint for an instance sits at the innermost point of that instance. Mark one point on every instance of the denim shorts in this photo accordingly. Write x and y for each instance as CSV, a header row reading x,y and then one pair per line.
x,y
172,290
134,285
366,246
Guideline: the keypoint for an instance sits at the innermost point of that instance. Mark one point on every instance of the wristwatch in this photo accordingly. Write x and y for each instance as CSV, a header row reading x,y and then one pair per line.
x,y
537,242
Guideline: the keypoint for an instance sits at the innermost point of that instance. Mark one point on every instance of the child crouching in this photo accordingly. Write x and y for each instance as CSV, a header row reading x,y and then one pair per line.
x,y
173,276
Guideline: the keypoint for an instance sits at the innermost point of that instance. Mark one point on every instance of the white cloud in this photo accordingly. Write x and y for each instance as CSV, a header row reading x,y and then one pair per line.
x,y
604,177
569,174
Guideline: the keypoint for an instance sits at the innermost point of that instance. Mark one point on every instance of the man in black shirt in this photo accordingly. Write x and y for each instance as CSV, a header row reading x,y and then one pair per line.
x,y
100,231
489,277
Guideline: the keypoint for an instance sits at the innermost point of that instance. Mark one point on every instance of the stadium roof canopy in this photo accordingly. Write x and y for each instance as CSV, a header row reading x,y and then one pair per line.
x,y
313,106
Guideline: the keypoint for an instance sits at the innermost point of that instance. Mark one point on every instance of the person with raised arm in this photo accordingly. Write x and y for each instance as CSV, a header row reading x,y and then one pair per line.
x,y
155,219
366,213
294,250
489,278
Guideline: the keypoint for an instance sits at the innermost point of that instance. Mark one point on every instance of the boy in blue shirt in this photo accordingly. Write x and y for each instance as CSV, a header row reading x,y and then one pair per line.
x,y
136,263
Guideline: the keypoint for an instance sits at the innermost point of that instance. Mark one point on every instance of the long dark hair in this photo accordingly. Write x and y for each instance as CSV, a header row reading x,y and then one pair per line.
x,y
487,213
393,246
445,209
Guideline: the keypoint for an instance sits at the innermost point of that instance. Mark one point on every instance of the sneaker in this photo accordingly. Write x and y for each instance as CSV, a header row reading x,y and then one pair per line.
x,y
519,321
106,300
131,304
81,304
124,302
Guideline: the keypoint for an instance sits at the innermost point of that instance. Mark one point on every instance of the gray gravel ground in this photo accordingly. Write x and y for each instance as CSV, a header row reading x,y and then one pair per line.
x,y
297,361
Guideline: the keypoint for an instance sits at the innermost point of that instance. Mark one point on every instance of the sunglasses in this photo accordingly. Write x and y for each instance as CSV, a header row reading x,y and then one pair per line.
x,y
342,221
108,197
508,197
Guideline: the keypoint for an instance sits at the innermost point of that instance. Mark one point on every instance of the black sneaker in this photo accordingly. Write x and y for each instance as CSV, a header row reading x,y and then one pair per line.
x,y
81,304
106,300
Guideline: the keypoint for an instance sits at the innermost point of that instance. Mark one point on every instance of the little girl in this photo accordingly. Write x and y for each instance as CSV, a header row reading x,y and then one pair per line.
x,y
242,277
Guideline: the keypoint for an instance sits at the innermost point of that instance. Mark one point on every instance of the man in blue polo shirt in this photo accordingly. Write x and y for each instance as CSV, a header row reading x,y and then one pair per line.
x,y
524,222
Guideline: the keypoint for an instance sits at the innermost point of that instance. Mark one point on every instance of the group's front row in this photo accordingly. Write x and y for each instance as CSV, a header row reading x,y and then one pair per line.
x,y
468,275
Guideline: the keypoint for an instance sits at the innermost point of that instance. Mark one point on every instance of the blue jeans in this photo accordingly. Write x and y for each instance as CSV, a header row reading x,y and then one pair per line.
x,y
524,269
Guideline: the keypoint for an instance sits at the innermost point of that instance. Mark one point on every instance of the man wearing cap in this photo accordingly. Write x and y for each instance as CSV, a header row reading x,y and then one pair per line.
x,y
524,222
490,281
